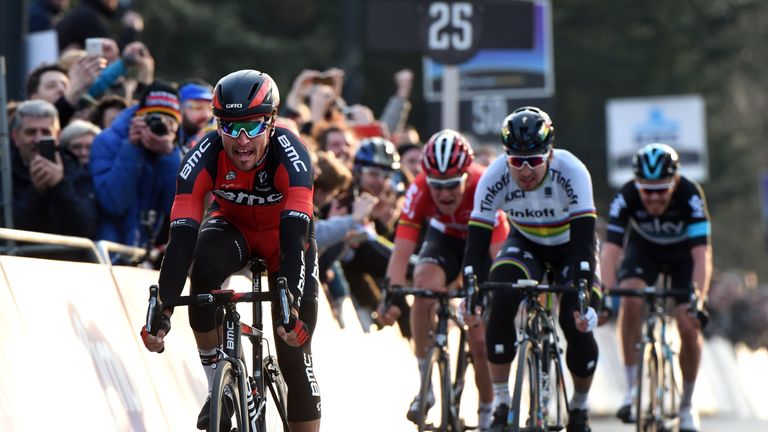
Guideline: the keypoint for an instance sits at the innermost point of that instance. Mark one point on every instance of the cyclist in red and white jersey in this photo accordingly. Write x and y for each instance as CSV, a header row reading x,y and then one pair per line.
x,y
261,178
442,197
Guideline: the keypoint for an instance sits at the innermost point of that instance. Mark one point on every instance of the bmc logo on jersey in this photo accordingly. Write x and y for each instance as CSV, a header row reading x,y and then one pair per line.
x,y
249,199
228,106
194,158
292,154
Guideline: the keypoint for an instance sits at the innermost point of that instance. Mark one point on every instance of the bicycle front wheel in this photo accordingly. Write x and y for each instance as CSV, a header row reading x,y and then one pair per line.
x,y
273,414
646,401
668,390
553,396
226,400
525,399
425,401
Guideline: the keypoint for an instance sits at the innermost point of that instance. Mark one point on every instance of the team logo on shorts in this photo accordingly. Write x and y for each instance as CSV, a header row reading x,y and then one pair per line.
x,y
230,176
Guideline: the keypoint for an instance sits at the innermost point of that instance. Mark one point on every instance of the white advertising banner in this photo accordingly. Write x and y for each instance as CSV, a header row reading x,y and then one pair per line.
x,y
679,121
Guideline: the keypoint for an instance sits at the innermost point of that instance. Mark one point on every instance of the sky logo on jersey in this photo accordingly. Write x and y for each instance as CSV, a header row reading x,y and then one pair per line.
x,y
292,154
194,158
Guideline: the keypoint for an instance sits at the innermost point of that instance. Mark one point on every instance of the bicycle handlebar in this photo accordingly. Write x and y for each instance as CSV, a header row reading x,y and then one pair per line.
x,y
426,293
218,298
649,292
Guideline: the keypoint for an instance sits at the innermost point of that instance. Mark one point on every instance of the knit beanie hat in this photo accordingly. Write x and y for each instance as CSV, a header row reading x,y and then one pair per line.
x,y
160,97
194,91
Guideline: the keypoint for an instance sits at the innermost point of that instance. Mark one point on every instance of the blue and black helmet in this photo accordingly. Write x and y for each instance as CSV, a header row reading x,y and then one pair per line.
x,y
655,162
528,130
377,152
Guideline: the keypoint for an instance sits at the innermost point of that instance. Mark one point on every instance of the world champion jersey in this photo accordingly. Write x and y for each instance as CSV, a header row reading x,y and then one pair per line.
x,y
685,222
544,214
419,207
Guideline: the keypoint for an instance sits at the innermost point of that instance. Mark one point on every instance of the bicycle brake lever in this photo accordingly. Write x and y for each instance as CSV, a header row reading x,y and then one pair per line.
x,y
282,293
153,311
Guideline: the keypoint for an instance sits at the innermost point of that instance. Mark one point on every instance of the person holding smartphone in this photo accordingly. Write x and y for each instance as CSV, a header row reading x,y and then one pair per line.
x,y
51,192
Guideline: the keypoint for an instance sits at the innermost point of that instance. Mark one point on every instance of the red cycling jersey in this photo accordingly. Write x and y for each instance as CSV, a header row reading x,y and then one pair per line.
x,y
256,202
419,207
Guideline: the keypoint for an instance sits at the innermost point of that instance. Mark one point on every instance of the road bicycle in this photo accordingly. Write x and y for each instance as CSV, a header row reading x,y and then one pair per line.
x,y
539,399
658,384
260,397
449,387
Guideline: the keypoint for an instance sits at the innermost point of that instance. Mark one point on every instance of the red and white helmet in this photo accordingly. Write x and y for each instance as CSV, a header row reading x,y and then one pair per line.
x,y
447,154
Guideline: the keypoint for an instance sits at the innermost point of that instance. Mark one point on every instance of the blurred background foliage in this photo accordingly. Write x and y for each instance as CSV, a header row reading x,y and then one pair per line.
x,y
603,49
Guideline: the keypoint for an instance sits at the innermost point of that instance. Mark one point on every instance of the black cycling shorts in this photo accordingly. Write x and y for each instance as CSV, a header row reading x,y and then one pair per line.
x,y
222,250
443,250
647,261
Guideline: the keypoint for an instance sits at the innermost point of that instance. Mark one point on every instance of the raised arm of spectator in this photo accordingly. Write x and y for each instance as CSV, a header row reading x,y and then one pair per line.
x,y
398,107
300,90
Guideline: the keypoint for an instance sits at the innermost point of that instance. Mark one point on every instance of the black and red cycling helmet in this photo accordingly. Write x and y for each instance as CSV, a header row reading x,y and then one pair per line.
x,y
446,154
244,94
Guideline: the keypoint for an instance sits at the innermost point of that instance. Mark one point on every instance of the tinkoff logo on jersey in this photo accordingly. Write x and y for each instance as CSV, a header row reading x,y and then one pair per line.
x,y
491,191
565,183
533,214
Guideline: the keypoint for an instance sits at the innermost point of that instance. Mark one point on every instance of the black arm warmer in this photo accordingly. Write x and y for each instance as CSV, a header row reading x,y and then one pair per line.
x,y
583,249
476,251
293,246
176,262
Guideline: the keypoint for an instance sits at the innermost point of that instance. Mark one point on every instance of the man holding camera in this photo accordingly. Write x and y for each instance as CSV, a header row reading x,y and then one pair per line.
x,y
134,164
51,193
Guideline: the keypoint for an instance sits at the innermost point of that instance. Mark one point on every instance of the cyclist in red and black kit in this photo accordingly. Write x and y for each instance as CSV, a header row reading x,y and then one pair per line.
x,y
441,196
261,178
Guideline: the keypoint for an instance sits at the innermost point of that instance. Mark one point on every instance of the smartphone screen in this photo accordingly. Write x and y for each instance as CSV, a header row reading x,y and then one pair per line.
x,y
47,148
94,46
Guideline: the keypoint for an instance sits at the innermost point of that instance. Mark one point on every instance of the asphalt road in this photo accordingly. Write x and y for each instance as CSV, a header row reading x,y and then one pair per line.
x,y
708,424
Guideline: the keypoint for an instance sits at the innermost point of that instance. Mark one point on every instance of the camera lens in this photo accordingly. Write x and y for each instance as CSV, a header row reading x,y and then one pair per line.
x,y
156,124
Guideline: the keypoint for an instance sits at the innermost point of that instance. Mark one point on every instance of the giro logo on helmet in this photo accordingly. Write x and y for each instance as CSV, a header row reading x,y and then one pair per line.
x,y
234,105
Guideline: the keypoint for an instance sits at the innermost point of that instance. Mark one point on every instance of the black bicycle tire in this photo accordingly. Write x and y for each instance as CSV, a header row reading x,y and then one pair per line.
x,y
669,401
647,371
561,396
425,385
463,360
528,360
278,392
446,393
226,377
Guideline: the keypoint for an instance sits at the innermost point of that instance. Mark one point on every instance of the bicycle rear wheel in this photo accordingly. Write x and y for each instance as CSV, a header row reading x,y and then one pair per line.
x,y
646,401
553,396
524,412
226,381
273,416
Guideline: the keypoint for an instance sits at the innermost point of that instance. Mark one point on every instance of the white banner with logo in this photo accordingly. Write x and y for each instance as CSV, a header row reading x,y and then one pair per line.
x,y
679,121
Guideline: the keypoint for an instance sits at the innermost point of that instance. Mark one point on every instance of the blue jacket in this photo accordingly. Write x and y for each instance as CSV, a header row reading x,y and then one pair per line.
x,y
129,181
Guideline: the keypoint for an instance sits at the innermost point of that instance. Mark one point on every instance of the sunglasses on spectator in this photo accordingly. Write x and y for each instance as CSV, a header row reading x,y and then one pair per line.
x,y
251,128
533,161
658,188
376,172
449,183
